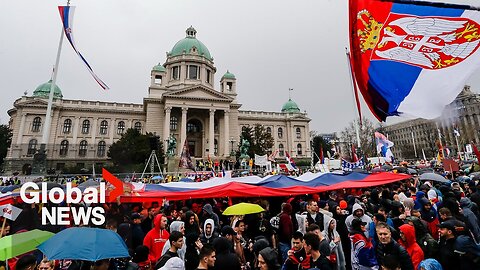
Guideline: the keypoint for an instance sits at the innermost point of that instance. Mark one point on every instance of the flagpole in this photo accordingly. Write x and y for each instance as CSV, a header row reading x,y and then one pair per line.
x,y
440,140
355,98
458,146
48,116
414,146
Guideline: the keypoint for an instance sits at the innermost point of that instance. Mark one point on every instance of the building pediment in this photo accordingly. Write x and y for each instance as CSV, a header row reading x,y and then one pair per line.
x,y
198,92
32,102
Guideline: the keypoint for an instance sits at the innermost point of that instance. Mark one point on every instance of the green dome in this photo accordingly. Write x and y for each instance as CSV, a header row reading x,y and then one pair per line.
x,y
228,75
43,90
190,41
159,68
290,107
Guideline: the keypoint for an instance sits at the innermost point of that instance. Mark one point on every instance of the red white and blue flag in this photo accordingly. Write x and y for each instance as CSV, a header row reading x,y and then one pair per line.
x,y
66,13
383,146
290,162
412,57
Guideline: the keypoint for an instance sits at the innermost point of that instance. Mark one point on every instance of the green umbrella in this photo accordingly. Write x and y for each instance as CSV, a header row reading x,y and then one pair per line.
x,y
243,209
20,243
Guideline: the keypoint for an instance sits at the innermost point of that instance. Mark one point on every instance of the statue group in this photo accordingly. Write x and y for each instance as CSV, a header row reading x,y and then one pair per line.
x,y
171,146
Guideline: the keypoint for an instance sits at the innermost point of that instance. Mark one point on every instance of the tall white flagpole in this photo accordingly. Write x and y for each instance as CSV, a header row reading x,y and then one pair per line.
x,y
414,146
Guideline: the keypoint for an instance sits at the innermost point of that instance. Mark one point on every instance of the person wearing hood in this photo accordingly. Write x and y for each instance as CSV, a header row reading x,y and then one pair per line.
x,y
362,250
209,234
471,220
177,226
337,257
409,242
226,259
156,238
192,256
268,259
469,252
208,213
430,264
424,239
358,213
429,214
418,196
191,224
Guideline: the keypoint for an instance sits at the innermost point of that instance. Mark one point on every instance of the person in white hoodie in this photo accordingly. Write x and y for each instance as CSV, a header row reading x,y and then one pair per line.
x,y
180,227
209,233
359,213
333,238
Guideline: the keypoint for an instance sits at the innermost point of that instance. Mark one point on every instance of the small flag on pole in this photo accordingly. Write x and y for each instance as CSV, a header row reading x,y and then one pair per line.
x,y
66,13
321,158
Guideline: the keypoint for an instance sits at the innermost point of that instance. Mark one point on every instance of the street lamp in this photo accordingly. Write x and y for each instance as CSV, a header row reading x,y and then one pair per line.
x,y
232,141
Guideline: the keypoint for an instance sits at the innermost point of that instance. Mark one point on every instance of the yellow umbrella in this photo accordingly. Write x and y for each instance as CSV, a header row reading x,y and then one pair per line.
x,y
243,209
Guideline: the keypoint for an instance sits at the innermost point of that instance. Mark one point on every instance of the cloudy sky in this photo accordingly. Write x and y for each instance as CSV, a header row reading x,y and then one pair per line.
x,y
270,45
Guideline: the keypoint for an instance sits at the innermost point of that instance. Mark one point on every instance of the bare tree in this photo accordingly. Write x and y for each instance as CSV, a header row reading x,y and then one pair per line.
x,y
366,133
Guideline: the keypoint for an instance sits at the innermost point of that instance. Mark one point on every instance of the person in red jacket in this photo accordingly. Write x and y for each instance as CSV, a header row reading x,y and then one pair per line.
x,y
409,242
156,238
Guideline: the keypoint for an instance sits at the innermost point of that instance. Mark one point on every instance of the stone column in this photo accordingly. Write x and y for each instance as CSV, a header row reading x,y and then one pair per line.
x,y
226,132
166,127
76,127
112,130
21,129
94,130
183,129
211,130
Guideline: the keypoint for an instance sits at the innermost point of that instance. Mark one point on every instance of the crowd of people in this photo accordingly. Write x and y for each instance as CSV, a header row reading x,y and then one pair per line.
x,y
404,225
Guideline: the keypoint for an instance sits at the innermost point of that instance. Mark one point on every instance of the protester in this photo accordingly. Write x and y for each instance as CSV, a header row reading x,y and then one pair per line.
x,y
311,244
362,250
332,237
297,257
447,257
209,234
176,242
207,258
388,246
268,259
285,230
156,238
358,213
409,242
177,226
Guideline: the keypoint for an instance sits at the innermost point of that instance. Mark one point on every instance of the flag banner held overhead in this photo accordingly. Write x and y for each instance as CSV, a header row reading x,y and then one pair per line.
x,y
9,211
412,58
348,166
66,13
383,146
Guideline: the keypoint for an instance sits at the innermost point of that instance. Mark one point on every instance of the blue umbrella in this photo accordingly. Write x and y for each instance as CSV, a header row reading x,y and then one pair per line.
x,y
81,243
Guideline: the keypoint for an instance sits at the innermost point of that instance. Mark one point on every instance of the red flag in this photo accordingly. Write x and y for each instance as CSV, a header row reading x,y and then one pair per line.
x,y
322,161
475,150
354,154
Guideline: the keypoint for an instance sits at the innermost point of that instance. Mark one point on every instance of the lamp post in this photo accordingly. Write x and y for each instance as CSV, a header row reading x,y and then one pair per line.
x,y
232,141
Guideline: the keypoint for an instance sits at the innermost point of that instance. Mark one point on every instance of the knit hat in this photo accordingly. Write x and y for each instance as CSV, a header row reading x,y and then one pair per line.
x,y
343,204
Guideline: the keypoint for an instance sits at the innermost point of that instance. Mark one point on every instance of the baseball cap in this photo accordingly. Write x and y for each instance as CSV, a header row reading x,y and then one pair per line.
x,y
135,216
227,230
356,223
448,224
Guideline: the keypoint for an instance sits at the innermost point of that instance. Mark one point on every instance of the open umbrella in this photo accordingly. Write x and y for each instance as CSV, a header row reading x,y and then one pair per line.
x,y
401,169
88,244
243,209
89,183
20,243
433,177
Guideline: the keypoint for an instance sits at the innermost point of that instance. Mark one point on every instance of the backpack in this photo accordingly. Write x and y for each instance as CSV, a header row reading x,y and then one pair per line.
x,y
275,221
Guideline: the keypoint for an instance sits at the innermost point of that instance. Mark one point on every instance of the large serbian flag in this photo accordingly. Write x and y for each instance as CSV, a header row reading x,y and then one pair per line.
x,y
66,13
412,57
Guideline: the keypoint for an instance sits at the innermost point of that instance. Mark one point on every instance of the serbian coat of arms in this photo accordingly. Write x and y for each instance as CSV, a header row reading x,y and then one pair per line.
x,y
428,42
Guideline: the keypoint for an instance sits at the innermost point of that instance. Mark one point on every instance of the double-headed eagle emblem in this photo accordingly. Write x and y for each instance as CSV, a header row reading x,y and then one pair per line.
x,y
427,42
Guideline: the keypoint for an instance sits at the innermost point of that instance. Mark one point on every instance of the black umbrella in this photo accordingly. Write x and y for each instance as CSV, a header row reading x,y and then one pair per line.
x,y
401,169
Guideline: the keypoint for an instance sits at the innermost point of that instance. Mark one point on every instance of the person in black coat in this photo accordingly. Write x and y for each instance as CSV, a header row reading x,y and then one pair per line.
x,y
388,247
226,259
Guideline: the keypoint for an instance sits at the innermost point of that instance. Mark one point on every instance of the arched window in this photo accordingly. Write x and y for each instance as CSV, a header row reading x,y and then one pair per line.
x,y
173,122
67,126
82,150
269,130
103,127
120,127
63,148
281,150
215,147
32,147
138,126
102,147
299,133
299,149
280,132
37,122
194,126
85,127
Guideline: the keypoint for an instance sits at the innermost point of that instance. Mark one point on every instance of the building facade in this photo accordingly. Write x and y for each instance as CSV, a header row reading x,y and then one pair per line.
x,y
462,115
181,102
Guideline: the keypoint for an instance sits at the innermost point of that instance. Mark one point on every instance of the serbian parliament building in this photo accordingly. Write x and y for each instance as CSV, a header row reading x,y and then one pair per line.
x,y
181,102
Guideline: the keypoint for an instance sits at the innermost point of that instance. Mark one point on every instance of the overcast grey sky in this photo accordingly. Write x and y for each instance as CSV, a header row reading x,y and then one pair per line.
x,y
270,45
